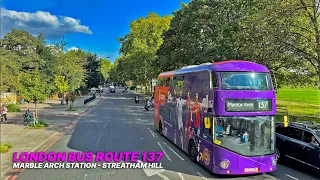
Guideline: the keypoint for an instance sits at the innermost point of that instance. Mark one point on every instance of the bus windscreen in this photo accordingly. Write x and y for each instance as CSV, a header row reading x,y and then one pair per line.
x,y
248,136
245,81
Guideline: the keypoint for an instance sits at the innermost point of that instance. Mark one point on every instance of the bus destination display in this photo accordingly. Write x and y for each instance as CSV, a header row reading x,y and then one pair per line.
x,y
247,105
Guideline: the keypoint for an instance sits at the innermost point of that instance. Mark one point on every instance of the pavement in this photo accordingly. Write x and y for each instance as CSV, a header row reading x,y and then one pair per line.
x,y
118,124
22,139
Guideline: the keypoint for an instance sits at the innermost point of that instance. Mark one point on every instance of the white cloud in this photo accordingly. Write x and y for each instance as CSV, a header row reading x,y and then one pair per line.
x,y
53,27
73,48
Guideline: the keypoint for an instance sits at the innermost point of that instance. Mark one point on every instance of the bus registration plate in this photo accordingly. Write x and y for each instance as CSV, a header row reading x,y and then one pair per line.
x,y
251,170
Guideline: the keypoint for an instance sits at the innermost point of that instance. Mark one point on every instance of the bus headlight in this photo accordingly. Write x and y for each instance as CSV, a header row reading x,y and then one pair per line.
x,y
225,164
274,161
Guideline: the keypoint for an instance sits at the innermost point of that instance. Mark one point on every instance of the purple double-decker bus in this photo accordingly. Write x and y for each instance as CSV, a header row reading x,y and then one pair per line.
x,y
222,114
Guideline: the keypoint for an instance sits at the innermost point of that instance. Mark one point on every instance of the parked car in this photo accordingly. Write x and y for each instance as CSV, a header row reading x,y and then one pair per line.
x,y
112,89
299,141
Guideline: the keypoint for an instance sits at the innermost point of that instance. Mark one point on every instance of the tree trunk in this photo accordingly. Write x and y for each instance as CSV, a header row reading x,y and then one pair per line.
x,y
62,99
71,105
36,105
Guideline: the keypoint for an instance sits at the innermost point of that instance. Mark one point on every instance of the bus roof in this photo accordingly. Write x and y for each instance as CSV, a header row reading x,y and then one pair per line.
x,y
231,65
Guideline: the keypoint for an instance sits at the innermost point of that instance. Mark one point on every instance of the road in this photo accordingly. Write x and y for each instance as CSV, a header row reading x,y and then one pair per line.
x,y
118,124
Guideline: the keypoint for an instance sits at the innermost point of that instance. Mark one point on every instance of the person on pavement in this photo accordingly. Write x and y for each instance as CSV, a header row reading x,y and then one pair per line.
x,y
313,141
4,112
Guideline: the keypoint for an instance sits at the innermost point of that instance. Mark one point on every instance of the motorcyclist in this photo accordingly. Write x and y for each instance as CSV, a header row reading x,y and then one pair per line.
x,y
136,99
147,104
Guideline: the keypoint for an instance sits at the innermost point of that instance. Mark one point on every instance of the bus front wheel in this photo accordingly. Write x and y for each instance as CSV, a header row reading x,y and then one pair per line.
x,y
193,151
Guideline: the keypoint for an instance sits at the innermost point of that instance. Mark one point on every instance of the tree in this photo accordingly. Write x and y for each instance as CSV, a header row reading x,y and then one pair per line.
x,y
283,36
94,77
33,88
62,85
26,47
9,71
105,68
138,48
71,65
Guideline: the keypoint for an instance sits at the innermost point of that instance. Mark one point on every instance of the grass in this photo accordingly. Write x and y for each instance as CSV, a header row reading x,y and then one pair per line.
x,y
13,108
5,146
40,124
301,103
73,109
299,95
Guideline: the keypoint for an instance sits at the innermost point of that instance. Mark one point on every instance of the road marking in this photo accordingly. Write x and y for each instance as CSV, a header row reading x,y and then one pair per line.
x,y
105,124
99,138
291,177
165,153
173,151
163,176
151,132
181,176
201,175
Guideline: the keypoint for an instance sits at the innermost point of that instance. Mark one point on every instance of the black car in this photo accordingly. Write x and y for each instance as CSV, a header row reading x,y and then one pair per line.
x,y
299,141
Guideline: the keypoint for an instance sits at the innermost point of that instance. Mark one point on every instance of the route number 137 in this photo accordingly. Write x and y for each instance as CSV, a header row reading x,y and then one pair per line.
x,y
151,156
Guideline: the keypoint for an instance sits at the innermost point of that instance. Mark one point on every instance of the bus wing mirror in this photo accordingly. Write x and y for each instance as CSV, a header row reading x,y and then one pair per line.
x,y
275,83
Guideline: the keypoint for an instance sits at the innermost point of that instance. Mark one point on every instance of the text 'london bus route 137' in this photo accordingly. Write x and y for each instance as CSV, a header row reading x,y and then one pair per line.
x,y
79,160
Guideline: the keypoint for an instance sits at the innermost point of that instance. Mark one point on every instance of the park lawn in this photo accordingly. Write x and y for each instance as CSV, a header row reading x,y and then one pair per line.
x,y
304,104
308,96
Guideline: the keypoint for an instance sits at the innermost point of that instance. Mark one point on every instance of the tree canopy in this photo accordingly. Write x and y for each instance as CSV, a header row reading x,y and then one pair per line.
x,y
35,70
282,35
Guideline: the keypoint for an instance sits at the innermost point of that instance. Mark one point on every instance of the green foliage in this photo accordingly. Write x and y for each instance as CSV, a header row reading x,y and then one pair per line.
x,y
105,68
139,48
38,125
32,86
61,84
13,108
5,146
42,122
94,77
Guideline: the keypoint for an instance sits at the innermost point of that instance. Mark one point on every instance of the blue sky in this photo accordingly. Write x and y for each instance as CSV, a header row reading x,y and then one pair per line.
x,y
91,25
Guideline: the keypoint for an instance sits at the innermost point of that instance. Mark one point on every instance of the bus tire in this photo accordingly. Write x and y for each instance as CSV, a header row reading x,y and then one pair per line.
x,y
279,159
193,152
160,128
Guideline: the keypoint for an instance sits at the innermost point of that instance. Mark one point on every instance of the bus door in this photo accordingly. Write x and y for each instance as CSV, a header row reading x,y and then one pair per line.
x,y
205,98
165,107
177,110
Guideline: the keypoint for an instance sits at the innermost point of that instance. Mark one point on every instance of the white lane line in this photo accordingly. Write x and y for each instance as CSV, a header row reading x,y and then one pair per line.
x,y
201,175
291,177
105,124
182,178
99,138
163,176
155,134
173,151
151,132
165,153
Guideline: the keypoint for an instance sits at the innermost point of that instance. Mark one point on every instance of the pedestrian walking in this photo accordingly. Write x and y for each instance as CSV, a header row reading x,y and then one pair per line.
x,y
67,99
4,112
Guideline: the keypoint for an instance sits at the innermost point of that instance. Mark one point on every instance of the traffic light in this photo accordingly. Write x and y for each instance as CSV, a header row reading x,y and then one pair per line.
x,y
285,121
